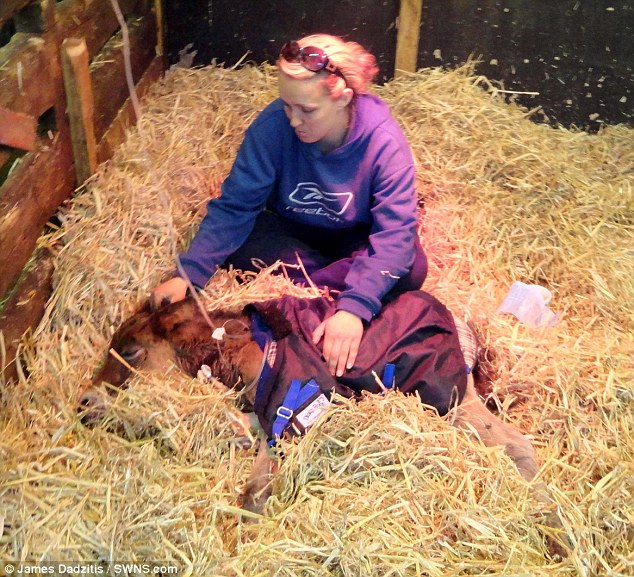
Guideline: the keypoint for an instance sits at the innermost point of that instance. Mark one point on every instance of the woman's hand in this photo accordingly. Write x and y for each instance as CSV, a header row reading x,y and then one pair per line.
x,y
342,334
170,291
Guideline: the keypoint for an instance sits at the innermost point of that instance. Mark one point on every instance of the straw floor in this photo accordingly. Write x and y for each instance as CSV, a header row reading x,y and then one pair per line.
x,y
381,488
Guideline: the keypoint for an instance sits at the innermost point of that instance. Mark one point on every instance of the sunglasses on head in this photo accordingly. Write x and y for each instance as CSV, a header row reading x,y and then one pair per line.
x,y
310,57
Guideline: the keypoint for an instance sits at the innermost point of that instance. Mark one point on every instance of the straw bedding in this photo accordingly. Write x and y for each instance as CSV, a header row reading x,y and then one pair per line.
x,y
381,487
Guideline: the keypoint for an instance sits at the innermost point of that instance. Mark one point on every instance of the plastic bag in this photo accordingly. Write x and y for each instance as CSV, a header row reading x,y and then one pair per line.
x,y
529,304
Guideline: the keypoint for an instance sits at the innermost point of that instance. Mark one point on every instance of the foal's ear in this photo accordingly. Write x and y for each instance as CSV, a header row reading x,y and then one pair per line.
x,y
270,313
153,305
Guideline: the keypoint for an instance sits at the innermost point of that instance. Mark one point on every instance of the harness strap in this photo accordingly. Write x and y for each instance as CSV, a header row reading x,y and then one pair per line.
x,y
296,396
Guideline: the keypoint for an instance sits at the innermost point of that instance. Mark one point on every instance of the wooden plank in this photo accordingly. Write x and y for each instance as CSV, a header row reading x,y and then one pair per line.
x,y
108,72
96,22
9,8
23,312
116,133
17,129
28,73
42,181
80,106
408,36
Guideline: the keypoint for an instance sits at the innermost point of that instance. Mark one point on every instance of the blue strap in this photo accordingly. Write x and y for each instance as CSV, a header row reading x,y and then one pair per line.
x,y
296,396
307,391
285,412
388,375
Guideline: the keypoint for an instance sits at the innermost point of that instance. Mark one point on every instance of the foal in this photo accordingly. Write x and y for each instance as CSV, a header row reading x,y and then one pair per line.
x,y
266,347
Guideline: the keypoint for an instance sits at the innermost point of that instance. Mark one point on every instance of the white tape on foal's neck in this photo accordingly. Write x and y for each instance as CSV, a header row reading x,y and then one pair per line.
x,y
219,333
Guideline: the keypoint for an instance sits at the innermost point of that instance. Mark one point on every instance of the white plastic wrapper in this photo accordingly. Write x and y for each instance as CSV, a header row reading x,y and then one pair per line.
x,y
529,304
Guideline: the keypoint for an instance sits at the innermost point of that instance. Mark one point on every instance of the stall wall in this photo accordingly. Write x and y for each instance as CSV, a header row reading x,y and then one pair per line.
x,y
576,55
229,31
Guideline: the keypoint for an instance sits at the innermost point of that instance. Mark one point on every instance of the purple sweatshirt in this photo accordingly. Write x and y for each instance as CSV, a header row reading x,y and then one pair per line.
x,y
368,179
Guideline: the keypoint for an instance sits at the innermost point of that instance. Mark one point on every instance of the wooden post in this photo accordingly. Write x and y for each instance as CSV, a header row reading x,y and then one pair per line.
x,y
408,35
80,106
158,11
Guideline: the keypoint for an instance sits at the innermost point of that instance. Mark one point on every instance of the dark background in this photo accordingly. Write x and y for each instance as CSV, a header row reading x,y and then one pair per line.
x,y
577,54
228,29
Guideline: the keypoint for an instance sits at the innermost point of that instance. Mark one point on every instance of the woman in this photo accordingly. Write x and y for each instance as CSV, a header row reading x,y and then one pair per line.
x,y
325,178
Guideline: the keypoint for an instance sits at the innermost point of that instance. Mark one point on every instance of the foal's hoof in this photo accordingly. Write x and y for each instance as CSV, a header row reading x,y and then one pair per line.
x,y
558,544
242,442
254,503
255,495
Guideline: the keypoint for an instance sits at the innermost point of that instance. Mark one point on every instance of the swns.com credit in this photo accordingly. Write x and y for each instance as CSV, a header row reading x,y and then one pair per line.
x,y
55,569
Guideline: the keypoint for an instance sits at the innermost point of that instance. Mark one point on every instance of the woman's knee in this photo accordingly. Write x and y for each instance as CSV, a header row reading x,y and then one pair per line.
x,y
417,275
419,268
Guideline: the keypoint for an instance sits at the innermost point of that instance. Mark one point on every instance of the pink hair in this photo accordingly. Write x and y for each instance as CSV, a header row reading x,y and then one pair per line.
x,y
355,62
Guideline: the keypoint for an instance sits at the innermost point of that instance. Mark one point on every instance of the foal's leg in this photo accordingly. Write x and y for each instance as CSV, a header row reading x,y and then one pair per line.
x,y
258,488
472,415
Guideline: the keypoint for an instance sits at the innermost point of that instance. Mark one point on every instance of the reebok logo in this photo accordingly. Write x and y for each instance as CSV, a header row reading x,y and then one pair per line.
x,y
308,194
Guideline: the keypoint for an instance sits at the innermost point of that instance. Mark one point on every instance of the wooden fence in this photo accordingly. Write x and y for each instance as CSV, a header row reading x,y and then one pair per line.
x,y
63,108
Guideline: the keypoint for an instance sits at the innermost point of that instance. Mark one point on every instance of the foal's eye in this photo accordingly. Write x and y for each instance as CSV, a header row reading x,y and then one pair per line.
x,y
133,356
